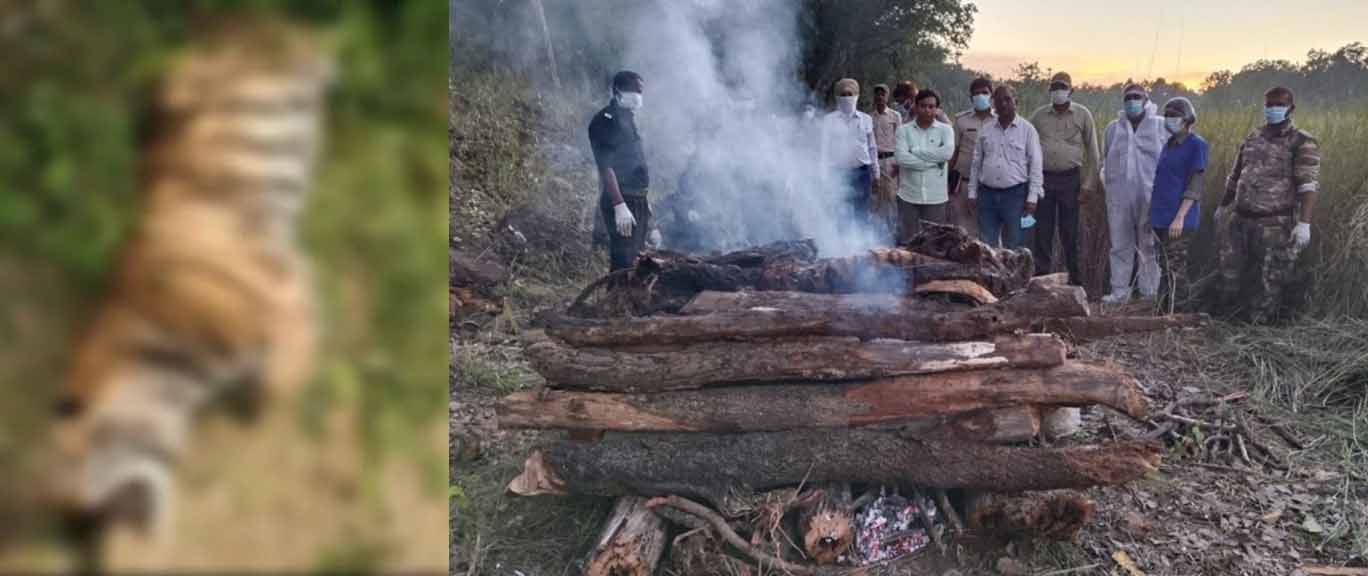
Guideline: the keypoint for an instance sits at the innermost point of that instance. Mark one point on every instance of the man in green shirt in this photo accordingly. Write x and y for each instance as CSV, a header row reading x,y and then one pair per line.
x,y
1068,144
924,147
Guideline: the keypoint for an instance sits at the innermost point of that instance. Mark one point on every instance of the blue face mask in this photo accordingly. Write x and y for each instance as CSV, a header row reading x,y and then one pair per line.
x,y
1275,114
981,102
1134,107
1173,125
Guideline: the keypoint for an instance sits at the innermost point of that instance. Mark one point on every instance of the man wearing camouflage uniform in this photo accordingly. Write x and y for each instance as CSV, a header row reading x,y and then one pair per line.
x,y
1265,215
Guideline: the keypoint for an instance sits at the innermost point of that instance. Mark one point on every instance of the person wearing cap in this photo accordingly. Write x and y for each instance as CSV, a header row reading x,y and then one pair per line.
x,y
848,148
886,122
904,98
1068,139
1005,173
1130,150
1175,207
967,126
1272,192
623,177
923,150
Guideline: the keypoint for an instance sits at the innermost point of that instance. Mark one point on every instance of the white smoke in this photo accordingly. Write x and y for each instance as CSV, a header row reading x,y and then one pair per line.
x,y
722,93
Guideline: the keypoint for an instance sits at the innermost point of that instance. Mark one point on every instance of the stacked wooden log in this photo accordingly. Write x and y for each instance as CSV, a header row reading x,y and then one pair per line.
x,y
742,389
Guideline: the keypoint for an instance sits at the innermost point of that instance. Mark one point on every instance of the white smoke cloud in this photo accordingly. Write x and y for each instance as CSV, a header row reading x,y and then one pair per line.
x,y
722,90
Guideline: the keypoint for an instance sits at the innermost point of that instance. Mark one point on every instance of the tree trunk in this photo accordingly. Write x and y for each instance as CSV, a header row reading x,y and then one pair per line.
x,y
827,526
787,406
631,542
709,465
1082,329
823,359
861,315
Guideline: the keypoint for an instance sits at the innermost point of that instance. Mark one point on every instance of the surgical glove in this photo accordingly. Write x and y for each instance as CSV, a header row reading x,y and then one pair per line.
x,y
654,238
1301,234
1027,221
623,218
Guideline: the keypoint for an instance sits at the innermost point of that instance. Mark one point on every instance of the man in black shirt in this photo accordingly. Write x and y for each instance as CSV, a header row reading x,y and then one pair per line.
x,y
623,178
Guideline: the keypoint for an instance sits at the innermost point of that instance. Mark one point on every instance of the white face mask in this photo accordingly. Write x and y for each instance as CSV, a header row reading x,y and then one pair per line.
x,y
847,103
1059,97
629,100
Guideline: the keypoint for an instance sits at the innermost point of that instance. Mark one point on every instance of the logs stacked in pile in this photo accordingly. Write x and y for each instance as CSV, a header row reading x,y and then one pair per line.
x,y
755,390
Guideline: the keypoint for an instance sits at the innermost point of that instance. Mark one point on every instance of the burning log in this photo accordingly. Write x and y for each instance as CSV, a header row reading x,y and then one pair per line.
x,y
828,524
789,406
631,541
862,315
709,465
821,358
1050,516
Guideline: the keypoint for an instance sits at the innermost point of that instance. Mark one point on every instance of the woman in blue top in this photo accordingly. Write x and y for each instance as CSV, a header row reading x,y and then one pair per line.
x,y
1175,204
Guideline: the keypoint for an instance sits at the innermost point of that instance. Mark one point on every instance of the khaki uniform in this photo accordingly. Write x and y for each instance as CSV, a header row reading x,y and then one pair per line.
x,y
967,125
1273,170
885,137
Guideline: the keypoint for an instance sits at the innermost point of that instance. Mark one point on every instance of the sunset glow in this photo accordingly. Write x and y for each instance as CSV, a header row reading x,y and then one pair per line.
x,y
1098,42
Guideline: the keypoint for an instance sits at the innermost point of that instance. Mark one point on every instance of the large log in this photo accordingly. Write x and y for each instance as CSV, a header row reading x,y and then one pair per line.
x,y
708,466
703,364
789,406
631,542
862,315
1082,329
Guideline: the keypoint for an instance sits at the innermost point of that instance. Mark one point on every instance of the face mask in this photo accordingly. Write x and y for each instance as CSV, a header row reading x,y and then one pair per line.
x,y
981,102
629,100
847,103
1173,125
1027,221
1275,114
1134,107
1059,97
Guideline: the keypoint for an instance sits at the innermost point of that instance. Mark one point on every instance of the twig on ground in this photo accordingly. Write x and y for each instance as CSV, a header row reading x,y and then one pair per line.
x,y
720,525
1071,570
951,515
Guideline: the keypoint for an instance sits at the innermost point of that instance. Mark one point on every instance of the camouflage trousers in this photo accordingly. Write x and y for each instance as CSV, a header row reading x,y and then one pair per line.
x,y
1257,257
1175,290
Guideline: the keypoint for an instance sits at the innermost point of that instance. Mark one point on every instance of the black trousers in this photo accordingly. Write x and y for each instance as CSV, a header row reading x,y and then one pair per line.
x,y
623,250
1058,209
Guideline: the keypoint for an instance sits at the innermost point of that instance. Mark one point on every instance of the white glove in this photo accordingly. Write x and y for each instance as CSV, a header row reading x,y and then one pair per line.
x,y
622,217
693,216
1301,234
654,238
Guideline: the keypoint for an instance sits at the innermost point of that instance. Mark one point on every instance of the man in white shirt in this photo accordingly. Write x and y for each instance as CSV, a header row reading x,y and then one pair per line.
x,y
1005,175
849,149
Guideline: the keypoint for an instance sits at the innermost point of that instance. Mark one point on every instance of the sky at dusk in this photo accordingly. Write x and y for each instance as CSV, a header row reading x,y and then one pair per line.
x,y
1110,41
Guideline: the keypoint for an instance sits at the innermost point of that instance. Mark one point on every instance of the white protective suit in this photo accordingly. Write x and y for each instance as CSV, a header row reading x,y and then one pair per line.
x,y
1130,156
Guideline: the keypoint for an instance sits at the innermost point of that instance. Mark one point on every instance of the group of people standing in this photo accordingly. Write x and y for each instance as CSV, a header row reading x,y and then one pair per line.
x,y
998,175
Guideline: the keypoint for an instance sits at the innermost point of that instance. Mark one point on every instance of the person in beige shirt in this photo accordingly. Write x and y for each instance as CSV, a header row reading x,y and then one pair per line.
x,y
1068,143
967,125
886,122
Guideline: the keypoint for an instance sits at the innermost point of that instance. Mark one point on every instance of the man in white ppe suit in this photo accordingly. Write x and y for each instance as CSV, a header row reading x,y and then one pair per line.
x,y
1131,146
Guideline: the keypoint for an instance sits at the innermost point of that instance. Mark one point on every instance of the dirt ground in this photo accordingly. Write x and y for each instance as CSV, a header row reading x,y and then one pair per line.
x,y
1203,513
